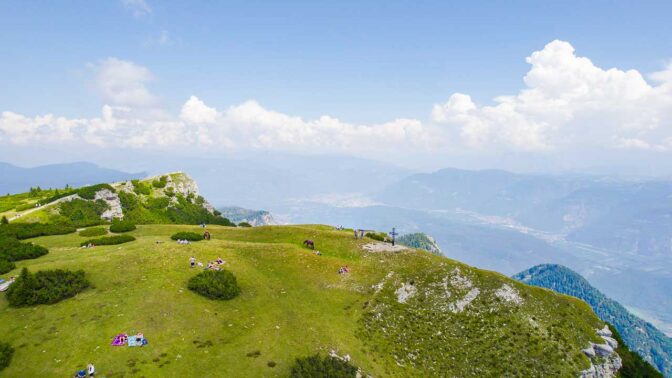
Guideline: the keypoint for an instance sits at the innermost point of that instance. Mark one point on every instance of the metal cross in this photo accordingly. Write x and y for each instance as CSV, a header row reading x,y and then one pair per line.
x,y
393,234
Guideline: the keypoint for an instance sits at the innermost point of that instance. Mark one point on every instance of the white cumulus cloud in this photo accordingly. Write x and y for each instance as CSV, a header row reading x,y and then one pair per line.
x,y
568,102
123,82
195,111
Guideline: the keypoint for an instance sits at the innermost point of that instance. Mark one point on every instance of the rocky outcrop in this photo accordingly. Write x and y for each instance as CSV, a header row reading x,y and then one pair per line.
x,y
605,362
405,292
114,204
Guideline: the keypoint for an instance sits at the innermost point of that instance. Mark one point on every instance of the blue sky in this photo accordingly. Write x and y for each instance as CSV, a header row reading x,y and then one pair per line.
x,y
360,62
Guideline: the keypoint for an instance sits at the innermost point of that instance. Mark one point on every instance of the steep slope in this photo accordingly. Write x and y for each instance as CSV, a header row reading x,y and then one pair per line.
x,y
640,336
15,179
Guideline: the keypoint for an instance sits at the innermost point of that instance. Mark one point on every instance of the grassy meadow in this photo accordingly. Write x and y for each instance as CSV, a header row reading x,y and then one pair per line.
x,y
292,304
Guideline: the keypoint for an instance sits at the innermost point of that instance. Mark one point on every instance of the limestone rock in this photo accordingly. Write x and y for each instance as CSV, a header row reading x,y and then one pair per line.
x,y
114,204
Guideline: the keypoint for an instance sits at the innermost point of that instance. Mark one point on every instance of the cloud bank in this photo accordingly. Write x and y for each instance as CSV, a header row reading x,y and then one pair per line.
x,y
567,105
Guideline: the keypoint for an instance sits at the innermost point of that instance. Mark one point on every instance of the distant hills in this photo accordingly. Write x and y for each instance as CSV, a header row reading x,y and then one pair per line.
x,y
15,179
253,217
420,240
639,335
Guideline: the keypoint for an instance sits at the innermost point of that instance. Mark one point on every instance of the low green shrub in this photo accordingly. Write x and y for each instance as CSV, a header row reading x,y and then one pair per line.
x,y
185,235
32,230
221,285
140,188
376,236
317,366
13,250
6,352
160,183
93,231
81,213
244,224
119,226
45,287
6,266
89,192
109,240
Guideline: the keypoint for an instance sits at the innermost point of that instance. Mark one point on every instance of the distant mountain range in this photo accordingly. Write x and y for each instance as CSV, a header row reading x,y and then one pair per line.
x,y
15,179
639,335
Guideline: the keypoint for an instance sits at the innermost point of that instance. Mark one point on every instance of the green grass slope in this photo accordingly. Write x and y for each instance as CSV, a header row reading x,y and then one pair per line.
x,y
396,314
641,336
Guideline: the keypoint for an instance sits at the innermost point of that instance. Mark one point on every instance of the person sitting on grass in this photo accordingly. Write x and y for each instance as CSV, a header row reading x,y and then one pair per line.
x,y
92,370
192,261
219,260
138,338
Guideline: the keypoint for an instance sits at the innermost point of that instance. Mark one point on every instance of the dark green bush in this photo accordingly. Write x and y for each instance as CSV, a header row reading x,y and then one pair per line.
x,y
81,213
318,367
184,235
170,192
45,287
32,230
140,188
6,352
376,236
13,250
6,266
109,240
89,192
4,220
220,284
244,224
119,226
93,231
160,183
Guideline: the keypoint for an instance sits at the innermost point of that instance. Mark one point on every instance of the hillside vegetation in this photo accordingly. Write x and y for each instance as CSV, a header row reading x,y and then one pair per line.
x,y
396,314
273,307
642,337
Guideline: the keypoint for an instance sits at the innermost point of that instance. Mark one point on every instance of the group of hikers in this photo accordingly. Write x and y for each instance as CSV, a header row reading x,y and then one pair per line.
x,y
89,245
90,370
183,241
212,265
359,234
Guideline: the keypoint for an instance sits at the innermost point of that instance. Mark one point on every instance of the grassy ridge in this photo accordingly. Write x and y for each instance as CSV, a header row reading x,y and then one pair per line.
x,y
292,304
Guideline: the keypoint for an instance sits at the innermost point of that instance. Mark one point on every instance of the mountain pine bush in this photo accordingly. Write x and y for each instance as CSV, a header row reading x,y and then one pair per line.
x,y
6,352
45,287
185,235
221,285
93,231
119,226
109,240
317,366
6,266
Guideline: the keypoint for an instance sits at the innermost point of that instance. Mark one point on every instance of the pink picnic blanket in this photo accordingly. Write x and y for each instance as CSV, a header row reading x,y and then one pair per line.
x,y
120,339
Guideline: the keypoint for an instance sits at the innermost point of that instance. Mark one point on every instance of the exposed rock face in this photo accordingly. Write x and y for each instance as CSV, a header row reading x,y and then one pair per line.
x,y
605,361
509,294
405,292
113,202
